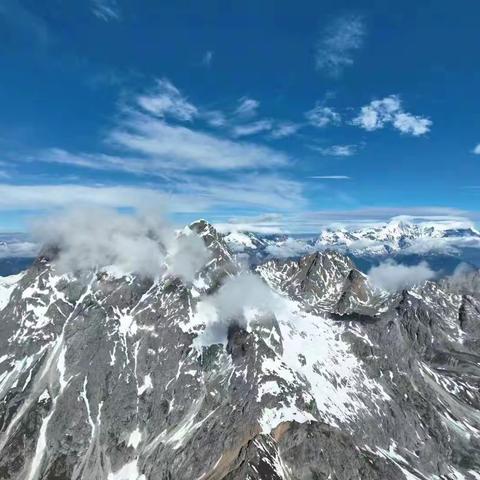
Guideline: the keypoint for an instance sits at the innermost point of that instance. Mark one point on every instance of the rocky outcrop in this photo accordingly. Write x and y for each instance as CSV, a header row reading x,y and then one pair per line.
x,y
102,377
324,282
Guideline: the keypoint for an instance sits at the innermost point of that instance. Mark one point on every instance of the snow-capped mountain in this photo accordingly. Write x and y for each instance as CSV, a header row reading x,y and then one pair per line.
x,y
401,235
297,371
244,241
443,245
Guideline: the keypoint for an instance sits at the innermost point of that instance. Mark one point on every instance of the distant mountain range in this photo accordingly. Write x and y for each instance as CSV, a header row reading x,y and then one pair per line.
x,y
402,236
445,244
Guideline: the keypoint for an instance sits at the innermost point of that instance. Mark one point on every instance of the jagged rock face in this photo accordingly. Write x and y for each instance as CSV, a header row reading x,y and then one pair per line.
x,y
102,378
323,282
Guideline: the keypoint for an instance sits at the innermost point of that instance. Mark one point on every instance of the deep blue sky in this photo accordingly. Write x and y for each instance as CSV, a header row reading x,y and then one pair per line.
x,y
113,102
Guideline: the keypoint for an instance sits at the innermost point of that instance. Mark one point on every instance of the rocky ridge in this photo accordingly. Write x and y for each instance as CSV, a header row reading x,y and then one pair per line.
x,y
102,378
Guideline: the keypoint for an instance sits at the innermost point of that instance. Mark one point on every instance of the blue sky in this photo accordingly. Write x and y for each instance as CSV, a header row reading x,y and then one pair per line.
x,y
293,114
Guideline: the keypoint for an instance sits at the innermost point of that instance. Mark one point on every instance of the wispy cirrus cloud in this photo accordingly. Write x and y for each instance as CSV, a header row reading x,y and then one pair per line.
x,y
106,10
185,194
47,196
255,190
247,107
285,129
207,58
154,147
154,134
96,161
22,26
321,116
476,149
339,41
176,147
336,150
389,111
252,128
215,118
166,100
330,177
161,135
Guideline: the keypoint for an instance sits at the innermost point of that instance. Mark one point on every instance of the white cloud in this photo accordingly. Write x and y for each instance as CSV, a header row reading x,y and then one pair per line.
x,y
392,276
186,254
176,147
251,128
291,247
142,244
106,10
214,118
247,107
239,300
464,280
411,124
378,113
144,140
97,161
338,43
40,197
321,116
165,99
336,150
476,150
285,129
330,177
147,139
207,58
267,224
448,245
267,191
184,194
13,245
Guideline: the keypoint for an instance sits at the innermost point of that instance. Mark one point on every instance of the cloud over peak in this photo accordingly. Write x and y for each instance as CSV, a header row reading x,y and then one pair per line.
x,y
143,243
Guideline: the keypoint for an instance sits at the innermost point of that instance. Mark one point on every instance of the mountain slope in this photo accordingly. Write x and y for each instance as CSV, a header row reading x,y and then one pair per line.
x,y
112,378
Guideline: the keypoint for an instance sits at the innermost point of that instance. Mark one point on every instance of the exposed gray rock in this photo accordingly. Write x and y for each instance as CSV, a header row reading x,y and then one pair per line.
x,y
103,378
